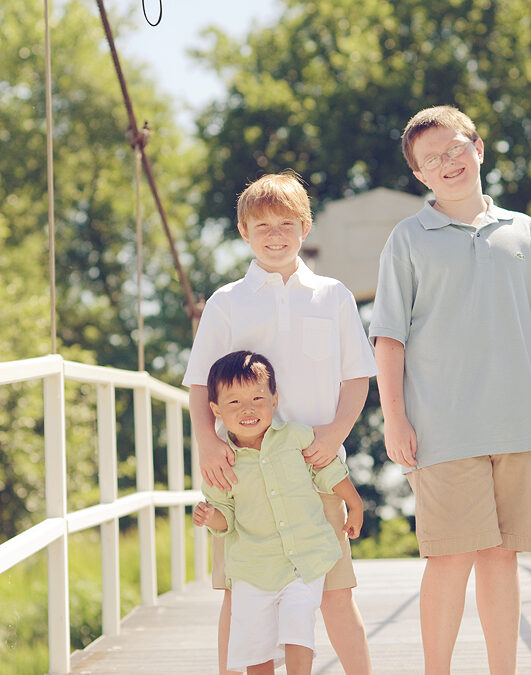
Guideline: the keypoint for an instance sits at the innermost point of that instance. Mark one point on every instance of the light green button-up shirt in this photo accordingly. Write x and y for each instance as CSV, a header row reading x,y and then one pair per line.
x,y
277,529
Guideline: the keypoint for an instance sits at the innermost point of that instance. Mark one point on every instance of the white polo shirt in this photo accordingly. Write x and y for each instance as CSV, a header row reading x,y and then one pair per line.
x,y
309,328
459,299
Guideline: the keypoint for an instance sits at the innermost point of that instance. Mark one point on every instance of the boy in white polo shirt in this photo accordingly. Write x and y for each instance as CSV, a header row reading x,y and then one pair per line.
x,y
452,326
309,328
278,543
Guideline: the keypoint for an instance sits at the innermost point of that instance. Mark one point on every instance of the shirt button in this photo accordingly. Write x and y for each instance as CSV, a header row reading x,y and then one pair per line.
x,y
478,234
281,524
264,461
273,492
290,552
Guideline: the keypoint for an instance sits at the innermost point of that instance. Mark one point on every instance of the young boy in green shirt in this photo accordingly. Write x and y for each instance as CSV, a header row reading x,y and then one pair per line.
x,y
452,327
278,544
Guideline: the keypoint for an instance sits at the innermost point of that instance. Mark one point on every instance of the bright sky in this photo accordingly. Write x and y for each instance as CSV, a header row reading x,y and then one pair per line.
x,y
164,46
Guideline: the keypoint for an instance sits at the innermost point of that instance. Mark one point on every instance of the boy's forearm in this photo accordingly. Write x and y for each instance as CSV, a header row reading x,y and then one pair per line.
x,y
215,456
389,356
201,416
352,397
346,490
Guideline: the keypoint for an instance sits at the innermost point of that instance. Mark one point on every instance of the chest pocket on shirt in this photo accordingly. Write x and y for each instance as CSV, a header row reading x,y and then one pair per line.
x,y
317,335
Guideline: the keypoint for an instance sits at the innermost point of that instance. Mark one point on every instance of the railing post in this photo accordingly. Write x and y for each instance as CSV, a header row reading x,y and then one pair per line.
x,y
174,430
200,533
108,477
55,469
145,482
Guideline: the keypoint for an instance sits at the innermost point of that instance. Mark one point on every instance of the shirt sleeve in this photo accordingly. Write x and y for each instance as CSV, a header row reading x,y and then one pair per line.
x,y
357,359
330,475
212,341
393,304
224,502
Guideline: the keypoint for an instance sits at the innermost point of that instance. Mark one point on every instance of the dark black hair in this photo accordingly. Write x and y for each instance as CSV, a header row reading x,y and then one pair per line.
x,y
242,366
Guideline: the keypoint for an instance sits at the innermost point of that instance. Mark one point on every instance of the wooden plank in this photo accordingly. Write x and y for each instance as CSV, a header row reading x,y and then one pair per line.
x,y
179,635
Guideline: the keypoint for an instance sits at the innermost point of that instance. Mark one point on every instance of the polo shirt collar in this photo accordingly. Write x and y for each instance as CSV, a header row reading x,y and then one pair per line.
x,y
431,219
256,276
276,425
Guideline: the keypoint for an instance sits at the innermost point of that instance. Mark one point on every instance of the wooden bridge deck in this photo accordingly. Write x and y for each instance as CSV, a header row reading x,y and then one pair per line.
x,y
178,637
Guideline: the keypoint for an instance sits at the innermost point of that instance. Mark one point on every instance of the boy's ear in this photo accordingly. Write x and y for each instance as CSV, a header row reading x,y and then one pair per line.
x,y
420,176
478,144
243,232
275,400
306,227
215,409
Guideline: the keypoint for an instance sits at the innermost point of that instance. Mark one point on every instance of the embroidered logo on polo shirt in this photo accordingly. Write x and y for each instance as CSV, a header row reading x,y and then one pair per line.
x,y
520,255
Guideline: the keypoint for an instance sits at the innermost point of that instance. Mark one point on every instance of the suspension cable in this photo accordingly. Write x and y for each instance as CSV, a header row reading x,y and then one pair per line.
x,y
49,171
139,258
138,140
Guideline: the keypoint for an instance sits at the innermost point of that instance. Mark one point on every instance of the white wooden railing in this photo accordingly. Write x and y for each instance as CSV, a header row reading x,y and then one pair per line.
x,y
52,533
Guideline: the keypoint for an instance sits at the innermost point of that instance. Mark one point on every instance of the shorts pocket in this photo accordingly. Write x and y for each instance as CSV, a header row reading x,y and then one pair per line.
x,y
317,335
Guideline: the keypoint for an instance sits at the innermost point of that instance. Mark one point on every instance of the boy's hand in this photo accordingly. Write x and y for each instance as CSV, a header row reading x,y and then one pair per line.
x,y
323,449
215,461
400,441
203,514
354,521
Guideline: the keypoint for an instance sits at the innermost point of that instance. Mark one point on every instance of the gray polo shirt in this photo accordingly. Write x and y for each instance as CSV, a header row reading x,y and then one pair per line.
x,y
459,299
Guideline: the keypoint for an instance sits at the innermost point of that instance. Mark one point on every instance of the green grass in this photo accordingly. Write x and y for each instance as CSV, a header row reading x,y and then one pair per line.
x,y
24,601
394,540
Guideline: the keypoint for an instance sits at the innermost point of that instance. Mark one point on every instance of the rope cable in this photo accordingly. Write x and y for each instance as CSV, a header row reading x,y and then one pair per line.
x,y
139,255
49,171
138,140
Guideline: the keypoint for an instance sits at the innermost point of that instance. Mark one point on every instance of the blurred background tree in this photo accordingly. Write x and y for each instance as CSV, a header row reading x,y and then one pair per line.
x,y
328,89
95,240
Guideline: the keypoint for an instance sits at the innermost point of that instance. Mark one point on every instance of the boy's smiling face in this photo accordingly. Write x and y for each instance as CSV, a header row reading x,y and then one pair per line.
x,y
247,410
453,179
275,238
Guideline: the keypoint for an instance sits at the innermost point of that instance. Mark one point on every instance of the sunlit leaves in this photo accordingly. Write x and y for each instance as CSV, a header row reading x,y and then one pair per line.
x,y
353,73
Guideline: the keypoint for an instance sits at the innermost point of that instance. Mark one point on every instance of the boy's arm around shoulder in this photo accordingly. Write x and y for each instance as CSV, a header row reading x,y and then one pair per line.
x,y
212,340
329,437
357,365
400,437
215,457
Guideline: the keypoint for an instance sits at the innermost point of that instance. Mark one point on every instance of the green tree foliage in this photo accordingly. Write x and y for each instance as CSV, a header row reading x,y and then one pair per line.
x,y
328,89
94,187
95,240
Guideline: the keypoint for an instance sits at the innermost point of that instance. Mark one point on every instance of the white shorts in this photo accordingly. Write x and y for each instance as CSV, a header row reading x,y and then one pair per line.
x,y
262,622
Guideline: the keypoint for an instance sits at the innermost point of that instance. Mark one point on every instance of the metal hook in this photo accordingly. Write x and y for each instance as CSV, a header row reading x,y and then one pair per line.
x,y
145,15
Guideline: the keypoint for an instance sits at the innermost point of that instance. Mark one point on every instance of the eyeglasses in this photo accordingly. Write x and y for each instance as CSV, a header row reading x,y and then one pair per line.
x,y
452,153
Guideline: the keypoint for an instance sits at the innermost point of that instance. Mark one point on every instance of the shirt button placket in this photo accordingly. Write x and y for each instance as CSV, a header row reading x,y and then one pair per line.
x,y
283,309
481,246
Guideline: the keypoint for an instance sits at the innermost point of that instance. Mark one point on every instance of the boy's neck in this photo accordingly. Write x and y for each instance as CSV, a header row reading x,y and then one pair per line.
x,y
285,273
255,444
470,211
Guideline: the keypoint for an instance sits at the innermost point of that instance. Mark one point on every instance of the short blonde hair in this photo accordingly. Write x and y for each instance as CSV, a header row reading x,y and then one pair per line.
x,y
275,192
446,116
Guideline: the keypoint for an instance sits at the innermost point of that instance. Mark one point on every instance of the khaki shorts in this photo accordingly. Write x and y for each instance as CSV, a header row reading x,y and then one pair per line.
x,y
473,504
340,576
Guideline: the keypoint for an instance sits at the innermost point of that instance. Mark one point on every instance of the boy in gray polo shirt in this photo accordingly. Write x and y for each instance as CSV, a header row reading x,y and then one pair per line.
x,y
452,332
